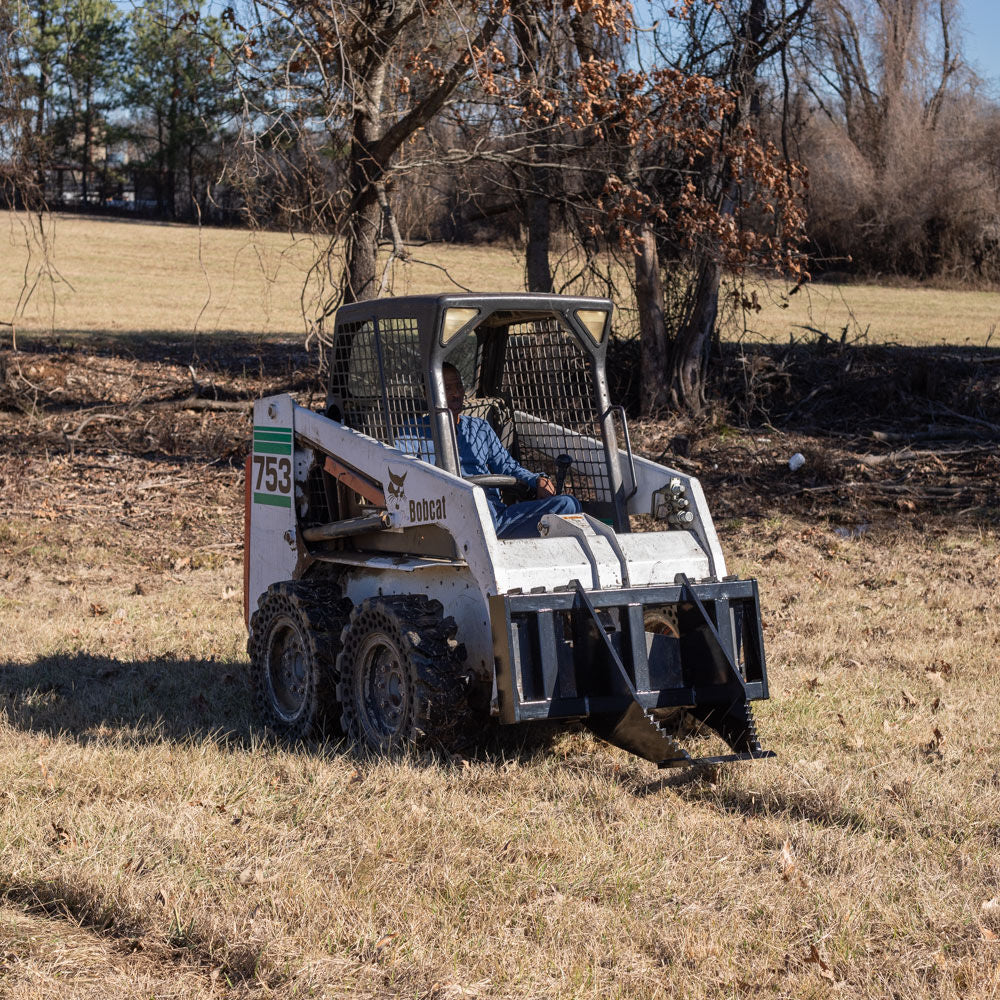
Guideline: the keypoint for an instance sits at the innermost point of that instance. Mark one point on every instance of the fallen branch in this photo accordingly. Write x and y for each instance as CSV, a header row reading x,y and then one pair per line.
x,y
965,418
907,454
933,433
916,493
194,403
161,484
75,436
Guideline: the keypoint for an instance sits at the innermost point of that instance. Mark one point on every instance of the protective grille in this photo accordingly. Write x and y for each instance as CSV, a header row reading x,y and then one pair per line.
x,y
549,381
377,373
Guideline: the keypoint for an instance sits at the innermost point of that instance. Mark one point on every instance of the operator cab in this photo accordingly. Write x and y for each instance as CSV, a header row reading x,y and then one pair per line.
x,y
532,365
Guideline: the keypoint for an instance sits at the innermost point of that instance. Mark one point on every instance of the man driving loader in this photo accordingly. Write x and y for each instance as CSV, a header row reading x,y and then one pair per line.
x,y
481,453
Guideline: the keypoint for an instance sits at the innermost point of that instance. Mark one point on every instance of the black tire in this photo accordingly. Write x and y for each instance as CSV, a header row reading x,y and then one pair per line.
x,y
293,645
402,680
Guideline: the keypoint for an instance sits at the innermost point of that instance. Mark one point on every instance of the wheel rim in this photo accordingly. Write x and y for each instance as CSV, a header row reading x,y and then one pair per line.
x,y
661,622
382,689
287,670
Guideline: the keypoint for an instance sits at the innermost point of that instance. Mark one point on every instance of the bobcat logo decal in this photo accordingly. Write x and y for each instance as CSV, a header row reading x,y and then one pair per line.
x,y
397,493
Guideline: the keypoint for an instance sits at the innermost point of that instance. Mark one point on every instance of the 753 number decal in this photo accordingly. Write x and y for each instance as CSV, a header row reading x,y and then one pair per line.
x,y
273,474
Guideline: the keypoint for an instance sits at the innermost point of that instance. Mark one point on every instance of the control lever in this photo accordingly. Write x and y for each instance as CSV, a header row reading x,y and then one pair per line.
x,y
563,462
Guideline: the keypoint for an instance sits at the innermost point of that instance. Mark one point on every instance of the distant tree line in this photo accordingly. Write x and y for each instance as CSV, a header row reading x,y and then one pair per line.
x,y
126,108
902,146
686,144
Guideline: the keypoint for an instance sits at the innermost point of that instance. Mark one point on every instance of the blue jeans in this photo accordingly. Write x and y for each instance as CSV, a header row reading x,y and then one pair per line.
x,y
520,520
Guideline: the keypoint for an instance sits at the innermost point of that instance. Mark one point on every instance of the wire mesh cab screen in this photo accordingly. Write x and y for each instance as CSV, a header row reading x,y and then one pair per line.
x,y
526,373
377,376
549,380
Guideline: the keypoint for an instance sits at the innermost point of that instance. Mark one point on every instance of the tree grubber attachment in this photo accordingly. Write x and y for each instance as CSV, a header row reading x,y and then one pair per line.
x,y
629,662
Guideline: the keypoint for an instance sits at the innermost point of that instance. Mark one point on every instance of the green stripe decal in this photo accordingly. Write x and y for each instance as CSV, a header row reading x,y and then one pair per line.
x,y
272,499
286,431
271,436
271,448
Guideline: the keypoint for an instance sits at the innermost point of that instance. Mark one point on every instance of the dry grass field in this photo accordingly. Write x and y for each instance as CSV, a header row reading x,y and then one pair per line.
x,y
880,315
153,843
117,276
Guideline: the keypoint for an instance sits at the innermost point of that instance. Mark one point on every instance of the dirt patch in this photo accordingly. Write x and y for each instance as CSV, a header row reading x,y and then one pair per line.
x,y
146,433
882,431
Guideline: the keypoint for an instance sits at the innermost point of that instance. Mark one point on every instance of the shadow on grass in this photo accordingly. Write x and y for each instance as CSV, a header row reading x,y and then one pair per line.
x,y
235,352
90,697
819,809
96,697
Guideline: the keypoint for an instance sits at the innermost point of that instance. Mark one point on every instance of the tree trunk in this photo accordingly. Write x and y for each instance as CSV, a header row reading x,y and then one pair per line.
x,y
85,159
173,148
689,362
161,164
528,31
539,231
652,325
360,281
44,82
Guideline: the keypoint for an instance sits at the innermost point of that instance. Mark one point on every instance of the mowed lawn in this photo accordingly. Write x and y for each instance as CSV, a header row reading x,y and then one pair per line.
x,y
115,276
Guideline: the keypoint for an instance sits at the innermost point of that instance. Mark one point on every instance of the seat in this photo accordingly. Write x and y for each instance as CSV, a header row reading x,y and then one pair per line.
x,y
499,414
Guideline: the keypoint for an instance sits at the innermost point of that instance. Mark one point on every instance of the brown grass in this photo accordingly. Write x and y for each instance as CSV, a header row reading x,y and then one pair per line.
x,y
121,277
154,843
876,314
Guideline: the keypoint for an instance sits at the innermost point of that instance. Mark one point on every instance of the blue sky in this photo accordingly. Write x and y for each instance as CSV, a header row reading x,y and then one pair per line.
x,y
981,21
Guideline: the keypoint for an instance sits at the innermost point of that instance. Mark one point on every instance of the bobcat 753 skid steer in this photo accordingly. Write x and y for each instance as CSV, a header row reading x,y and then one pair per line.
x,y
387,606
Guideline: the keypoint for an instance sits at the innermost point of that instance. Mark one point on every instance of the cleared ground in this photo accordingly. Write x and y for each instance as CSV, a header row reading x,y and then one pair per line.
x,y
153,843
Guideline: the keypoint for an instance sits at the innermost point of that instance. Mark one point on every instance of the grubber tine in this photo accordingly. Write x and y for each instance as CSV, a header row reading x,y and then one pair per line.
x,y
638,731
736,725
635,729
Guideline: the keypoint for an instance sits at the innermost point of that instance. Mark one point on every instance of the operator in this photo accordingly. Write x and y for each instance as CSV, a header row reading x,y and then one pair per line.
x,y
481,453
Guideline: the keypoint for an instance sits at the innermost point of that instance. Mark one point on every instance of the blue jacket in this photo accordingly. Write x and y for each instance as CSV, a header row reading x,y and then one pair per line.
x,y
480,452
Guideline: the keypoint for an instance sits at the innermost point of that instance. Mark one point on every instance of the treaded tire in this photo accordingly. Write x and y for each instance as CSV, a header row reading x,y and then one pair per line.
x,y
401,674
293,645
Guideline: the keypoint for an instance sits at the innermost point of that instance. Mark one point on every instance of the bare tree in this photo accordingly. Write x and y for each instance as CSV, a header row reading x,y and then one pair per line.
x,y
692,188
752,35
345,100
355,82
901,176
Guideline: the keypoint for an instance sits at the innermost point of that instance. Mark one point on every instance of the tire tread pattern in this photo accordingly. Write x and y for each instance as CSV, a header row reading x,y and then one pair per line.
x,y
439,712
320,612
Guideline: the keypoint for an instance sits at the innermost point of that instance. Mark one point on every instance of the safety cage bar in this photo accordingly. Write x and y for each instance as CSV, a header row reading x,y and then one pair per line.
x,y
535,365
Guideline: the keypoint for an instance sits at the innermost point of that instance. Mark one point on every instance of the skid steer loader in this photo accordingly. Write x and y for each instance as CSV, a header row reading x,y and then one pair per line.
x,y
386,606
